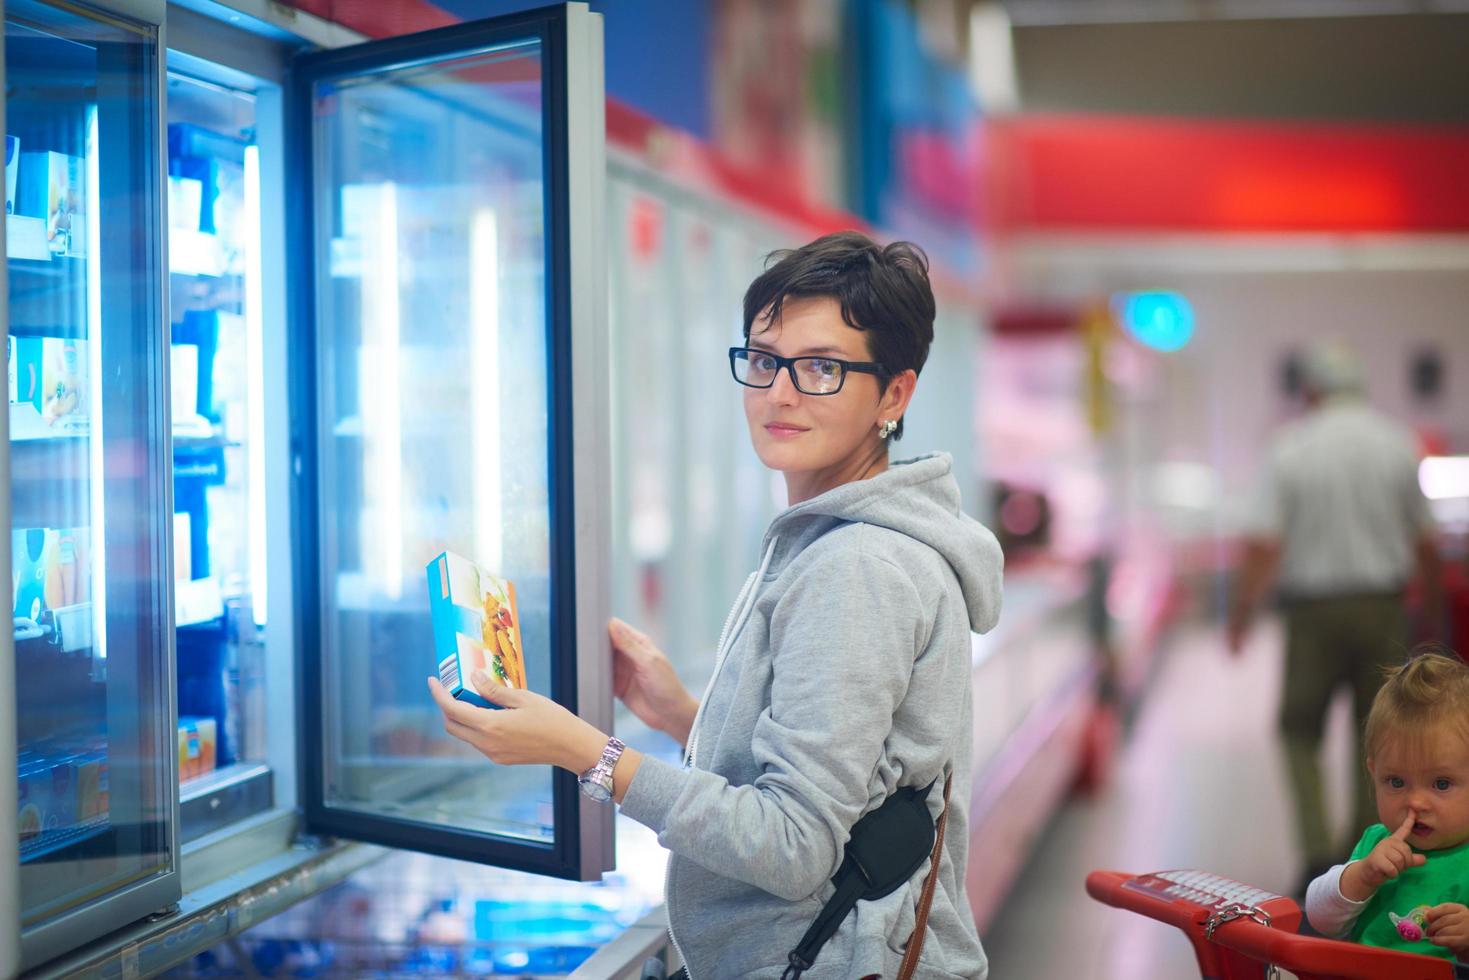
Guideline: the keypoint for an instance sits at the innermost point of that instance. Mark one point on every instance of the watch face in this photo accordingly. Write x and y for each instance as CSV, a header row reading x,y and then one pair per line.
x,y
596,790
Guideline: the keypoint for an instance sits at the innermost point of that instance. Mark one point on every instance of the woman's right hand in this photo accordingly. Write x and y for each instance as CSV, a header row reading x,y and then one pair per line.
x,y
645,681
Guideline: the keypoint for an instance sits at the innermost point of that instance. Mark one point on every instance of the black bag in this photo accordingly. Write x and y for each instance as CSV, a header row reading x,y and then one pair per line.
x,y
885,849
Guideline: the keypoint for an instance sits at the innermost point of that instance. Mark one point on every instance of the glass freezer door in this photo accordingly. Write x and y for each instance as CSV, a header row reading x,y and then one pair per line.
x,y
451,397
87,470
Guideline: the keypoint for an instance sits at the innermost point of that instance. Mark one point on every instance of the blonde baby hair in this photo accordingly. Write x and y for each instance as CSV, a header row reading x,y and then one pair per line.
x,y
1421,696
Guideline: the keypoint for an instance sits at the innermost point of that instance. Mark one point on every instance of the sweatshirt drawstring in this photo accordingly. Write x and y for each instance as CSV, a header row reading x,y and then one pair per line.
x,y
742,608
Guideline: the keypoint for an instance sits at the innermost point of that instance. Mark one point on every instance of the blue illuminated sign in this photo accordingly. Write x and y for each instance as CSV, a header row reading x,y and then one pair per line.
x,y
1161,320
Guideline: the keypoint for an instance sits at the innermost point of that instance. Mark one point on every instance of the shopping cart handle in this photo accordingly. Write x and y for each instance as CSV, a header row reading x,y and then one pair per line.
x,y
1188,900
1314,957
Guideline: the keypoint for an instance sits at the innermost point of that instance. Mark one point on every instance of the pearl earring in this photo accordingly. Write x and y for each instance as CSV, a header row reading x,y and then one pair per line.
x,y
886,428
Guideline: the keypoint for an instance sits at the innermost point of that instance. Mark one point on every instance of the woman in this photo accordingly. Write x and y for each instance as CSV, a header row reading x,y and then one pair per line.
x,y
843,673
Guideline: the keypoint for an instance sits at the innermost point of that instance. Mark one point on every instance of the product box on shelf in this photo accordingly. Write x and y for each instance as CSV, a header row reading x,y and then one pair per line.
x,y
35,791
51,185
12,170
198,738
68,569
476,626
91,783
50,570
48,796
48,386
23,363
188,140
28,571
185,195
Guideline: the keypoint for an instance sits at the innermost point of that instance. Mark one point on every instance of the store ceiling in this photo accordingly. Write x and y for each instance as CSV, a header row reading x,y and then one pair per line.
x,y
1389,67
1038,13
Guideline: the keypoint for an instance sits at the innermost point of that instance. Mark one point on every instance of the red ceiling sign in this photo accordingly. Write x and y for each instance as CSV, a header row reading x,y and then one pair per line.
x,y
1108,174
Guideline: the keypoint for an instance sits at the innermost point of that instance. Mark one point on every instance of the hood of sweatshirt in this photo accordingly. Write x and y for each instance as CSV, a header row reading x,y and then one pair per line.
x,y
917,497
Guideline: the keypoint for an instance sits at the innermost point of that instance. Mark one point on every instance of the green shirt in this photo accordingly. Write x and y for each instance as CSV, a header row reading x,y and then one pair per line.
x,y
1444,878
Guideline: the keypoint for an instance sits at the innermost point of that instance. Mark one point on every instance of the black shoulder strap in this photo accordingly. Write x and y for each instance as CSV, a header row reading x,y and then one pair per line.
x,y
894,831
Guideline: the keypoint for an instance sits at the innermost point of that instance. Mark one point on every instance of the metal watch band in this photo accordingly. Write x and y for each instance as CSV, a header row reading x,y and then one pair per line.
x,y
596,782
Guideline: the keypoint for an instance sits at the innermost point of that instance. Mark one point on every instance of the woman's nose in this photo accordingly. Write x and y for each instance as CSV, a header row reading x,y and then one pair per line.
x,y
783,391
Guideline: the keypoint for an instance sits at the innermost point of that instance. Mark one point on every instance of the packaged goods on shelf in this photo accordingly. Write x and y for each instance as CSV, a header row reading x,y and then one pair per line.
x,y
91,783
48,796
50,374
185,196
25,238
12,170
51,185
28,571
50,570
198,738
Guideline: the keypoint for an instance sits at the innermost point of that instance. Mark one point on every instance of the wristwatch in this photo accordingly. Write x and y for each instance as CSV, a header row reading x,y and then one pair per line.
x,y
596,782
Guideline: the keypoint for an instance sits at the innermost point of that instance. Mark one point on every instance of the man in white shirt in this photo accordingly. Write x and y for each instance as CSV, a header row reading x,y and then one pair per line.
x,y
1340,523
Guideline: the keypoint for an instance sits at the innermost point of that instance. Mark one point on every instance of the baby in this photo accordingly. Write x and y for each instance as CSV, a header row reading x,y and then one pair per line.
x,y
1407,880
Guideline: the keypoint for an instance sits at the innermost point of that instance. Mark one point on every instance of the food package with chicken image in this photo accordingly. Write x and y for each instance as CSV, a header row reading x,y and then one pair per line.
x,y
476,627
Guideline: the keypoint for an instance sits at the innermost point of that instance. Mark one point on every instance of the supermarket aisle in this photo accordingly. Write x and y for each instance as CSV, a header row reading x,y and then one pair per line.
x,y
1200,784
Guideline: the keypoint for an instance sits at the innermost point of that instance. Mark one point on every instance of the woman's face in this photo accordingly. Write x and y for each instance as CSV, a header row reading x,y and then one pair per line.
x,y
815,435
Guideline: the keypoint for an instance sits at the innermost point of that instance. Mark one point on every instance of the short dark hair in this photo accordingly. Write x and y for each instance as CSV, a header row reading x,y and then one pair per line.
x,y
883,291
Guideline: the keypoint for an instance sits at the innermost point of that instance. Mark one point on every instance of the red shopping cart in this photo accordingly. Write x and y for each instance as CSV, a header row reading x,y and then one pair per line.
x,y
1244,933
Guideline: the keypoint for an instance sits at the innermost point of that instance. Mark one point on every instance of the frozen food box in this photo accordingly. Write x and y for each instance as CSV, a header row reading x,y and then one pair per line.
x,y
476,626
23,363
49,570
50,185
12,170
35,791
28,571
68,574
63,396
197,742
49,374
47,796
91,783
62,812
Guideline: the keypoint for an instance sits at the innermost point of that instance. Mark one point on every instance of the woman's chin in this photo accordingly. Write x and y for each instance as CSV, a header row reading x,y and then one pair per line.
x,y
781,456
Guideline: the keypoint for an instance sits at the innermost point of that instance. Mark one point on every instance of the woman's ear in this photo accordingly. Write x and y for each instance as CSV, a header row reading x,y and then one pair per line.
x,y
894,401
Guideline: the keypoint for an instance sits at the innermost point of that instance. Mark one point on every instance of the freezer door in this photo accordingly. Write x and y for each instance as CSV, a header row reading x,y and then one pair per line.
x,y
87,488
450,396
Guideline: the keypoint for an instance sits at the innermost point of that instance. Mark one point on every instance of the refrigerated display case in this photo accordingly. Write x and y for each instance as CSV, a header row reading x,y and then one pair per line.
x,y
169,448
88,499
217,407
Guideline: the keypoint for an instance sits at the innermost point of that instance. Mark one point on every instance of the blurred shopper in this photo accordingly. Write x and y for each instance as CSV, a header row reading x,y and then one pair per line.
x,y
1339,515
843,673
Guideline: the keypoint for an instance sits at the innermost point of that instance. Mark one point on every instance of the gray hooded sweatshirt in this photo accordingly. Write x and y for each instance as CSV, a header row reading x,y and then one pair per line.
x,y
843,675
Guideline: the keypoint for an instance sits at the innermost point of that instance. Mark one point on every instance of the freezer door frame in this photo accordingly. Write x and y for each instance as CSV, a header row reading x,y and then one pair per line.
x,y
9,791
161,889
574,173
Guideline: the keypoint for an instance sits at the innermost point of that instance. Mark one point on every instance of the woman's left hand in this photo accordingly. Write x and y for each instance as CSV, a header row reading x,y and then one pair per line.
x,y
527,730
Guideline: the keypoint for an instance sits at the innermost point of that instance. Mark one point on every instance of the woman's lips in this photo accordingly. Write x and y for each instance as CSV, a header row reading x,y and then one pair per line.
x,y
781,431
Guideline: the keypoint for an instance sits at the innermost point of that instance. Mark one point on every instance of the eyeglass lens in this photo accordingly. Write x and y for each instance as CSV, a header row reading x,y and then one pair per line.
x,y
814,375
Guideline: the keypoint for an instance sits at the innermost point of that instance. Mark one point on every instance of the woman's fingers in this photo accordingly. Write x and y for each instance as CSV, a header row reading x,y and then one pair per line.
x,y
632,642
450,706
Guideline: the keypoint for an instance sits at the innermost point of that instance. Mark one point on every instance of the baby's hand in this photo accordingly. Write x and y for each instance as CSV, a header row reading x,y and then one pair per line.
x,y
1390,858
1448,926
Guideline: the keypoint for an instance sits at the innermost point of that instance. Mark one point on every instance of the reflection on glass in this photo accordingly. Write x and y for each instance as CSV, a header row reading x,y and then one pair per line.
x,y
433,396
214,283
85,498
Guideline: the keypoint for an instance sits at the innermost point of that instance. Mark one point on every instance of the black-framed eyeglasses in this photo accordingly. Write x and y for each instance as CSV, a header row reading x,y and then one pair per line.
x,y
811,375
